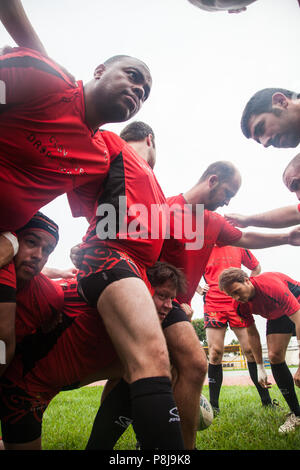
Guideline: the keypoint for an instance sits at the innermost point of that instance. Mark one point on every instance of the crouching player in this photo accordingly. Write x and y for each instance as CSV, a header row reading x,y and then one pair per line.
x,y
274,296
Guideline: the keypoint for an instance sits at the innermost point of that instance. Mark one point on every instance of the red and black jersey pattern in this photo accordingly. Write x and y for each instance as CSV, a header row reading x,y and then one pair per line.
x,y
131,206
223,257
276,294
46,148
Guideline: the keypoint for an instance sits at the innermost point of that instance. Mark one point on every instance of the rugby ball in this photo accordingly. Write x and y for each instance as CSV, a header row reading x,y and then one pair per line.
x,y
206,414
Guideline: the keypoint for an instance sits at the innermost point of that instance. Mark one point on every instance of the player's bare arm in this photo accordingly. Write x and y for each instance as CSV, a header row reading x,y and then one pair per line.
x,y
266,240
8,247
255,344
16,22
276,218
256,271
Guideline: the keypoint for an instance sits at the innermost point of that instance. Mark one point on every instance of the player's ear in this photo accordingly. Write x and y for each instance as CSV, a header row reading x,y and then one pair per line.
x,y
99,71
213,181
279,99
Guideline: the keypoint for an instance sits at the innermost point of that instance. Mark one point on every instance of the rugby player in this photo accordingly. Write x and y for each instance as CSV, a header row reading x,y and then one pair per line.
x,y
219,312
274,296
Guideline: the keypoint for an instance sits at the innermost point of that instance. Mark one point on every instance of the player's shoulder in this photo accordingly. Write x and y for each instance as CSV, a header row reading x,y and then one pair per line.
x,y
47,288
24,58
114,143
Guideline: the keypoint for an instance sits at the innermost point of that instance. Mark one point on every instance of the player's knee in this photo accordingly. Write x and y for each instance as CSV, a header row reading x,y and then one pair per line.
x,y
196,371
215,355
276,357
151,360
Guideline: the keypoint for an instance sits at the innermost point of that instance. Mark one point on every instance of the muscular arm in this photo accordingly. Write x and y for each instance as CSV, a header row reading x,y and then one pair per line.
x,y
16,22
276,218
7,251
255,345
262,240
256,271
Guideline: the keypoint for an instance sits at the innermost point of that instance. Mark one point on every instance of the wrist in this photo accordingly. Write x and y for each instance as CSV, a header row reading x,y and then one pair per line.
x,y
13,240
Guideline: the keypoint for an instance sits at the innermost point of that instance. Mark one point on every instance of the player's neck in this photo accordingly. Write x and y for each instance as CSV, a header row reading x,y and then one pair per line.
x,y
195,195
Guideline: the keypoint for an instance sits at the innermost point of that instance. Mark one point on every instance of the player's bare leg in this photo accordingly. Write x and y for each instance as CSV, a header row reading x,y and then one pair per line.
x,y
277,346
215,340
189,360
131,320
242,335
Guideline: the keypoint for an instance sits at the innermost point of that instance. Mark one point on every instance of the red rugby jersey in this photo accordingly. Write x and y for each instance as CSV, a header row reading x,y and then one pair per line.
x,y
46,148
276,294
39,304
138,223
193,262
77,347
222,258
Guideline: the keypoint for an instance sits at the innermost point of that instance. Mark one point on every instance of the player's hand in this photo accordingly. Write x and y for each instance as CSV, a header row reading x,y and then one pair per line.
x,y
202,290
297,377
76,255
237,220
294,237
188,310
6,251
69,273
262,376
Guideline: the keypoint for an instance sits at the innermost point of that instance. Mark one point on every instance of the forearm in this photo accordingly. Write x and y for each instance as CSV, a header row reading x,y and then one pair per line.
x,y
8,248
255,344
16,22
277,218
256,240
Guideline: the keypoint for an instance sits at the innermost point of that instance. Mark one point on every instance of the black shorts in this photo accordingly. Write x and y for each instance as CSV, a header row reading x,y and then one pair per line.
x,y
282,325
21,415
100,267
176,315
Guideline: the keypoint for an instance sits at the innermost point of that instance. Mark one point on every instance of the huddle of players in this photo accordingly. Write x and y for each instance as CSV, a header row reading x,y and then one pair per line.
x,y
64,150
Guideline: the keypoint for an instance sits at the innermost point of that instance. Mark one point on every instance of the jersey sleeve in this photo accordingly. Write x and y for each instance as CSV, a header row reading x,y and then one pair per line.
x,y
26,75
243,311
248,259
282,297
228,234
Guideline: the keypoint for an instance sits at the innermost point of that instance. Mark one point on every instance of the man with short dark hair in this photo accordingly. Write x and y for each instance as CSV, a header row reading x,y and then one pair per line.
x,y
272,117
274,296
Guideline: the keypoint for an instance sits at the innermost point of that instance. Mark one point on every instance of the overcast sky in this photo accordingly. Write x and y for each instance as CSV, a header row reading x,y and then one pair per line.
x,y
205,67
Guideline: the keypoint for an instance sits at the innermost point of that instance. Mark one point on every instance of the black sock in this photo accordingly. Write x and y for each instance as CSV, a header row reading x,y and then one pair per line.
x,y
155,416
285,383
263,392
112,419
215,379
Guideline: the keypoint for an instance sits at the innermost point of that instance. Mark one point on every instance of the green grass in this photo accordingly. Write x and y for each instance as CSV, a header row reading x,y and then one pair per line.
x,y
242,424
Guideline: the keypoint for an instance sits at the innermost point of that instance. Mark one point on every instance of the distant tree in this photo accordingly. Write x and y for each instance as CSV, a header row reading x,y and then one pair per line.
x,y
198,324
234,341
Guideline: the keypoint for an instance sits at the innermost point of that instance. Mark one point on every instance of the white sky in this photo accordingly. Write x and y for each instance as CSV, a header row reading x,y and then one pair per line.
x,y
205,66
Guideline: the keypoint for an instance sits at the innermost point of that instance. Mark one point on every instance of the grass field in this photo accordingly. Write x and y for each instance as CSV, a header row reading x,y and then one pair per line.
x,y
242,425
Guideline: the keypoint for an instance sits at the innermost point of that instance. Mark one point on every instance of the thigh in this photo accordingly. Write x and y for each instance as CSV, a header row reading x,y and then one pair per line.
x,y
242,336
131,320
277,344
215,337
